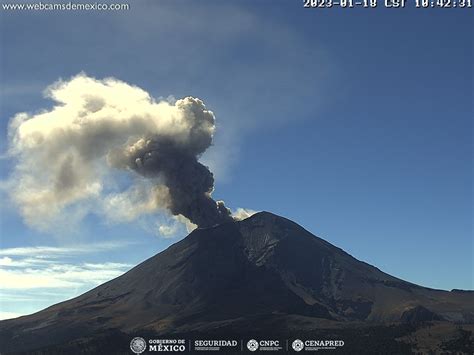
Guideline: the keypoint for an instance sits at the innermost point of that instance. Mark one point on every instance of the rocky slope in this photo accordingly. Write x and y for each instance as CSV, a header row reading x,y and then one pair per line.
x,y
265,271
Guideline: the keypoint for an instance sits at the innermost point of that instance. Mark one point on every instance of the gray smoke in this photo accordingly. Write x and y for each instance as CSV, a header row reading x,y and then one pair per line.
x,y
189,182
69,156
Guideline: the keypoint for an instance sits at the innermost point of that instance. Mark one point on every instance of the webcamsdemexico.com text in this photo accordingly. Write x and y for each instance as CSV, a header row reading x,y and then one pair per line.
x,y
69,6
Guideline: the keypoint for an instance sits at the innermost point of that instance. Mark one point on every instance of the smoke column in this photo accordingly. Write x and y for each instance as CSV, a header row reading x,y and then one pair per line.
x,y
70,155
189,182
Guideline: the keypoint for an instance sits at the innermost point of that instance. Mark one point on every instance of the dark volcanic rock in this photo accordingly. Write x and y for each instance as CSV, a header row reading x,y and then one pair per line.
x,y
265,272
456,290
419,314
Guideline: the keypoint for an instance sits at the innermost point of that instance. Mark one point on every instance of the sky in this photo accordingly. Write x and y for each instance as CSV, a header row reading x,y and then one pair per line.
x,y
356,124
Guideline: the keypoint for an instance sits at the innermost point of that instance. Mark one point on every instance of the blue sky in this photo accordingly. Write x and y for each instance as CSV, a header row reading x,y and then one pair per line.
x,y
357,124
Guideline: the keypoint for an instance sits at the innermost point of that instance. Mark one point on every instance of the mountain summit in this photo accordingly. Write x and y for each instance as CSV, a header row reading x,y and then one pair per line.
x,y
264,274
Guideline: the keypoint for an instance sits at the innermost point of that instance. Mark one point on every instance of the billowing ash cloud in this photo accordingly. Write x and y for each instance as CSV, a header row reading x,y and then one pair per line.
x,y
189,182
71,155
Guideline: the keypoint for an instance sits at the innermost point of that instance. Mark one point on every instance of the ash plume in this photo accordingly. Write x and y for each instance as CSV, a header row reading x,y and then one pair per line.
x,y
189,182
73,156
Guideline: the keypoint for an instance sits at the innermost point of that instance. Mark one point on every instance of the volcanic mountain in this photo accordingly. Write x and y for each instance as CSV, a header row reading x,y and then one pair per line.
x,y
263,275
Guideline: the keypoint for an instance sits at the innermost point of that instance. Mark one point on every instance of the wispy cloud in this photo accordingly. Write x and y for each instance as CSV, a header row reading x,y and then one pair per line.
x,y
60,275
52,252
32,278
6,261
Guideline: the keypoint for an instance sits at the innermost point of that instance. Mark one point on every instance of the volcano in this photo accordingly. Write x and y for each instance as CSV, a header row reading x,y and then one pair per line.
x,y
264,275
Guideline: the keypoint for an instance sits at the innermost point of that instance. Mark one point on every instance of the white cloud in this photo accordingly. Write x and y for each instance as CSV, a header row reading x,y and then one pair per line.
x,y
60,275
32,278
167,230
68,158
140,199
242,213
47,252
51,267
6,261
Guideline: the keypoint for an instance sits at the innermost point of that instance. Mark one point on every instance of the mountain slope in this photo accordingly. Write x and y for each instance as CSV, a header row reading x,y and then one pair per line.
x,y
221,277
